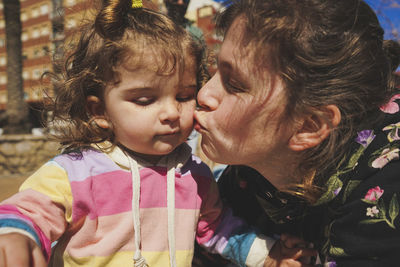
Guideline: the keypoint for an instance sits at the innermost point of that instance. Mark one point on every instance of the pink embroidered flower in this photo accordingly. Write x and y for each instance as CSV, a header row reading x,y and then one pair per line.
x,y
374,194
391,107
372,212
386,156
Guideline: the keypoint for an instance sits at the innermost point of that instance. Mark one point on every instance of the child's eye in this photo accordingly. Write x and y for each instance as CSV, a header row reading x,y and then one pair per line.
x,y
143,101
185,97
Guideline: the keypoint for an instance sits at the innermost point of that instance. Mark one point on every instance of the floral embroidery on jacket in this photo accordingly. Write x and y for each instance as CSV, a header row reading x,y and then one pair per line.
x,y
372,212
387,155
365,137
391,107
374,194
378,212
335,183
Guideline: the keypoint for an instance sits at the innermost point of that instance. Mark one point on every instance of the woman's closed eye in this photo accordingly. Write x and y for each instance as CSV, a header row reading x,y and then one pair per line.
x,y
234,87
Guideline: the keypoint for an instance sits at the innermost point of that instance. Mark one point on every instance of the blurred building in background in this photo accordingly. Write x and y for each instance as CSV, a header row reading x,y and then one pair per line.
x,y
39,38
204,19
48,26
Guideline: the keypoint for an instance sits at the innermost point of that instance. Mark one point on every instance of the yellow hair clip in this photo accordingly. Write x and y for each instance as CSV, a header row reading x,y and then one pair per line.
x,y
137,3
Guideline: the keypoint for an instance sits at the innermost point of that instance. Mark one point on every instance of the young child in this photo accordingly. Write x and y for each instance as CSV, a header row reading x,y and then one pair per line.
x,y
126,185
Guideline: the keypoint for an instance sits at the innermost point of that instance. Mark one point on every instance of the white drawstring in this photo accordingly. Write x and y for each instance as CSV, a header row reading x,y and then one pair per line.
x,y
171,212
138,259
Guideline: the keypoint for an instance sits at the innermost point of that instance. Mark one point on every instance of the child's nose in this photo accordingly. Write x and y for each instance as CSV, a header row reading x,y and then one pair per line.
x,y
170,111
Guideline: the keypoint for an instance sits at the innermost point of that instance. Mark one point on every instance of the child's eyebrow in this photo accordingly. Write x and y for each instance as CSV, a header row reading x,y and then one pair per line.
x,y
137,90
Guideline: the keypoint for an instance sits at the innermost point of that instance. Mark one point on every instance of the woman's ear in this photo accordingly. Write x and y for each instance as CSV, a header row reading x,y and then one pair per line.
x,y
96,109
315,128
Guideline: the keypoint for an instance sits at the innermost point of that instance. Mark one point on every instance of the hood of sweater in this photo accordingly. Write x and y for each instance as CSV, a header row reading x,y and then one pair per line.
x,y
177,158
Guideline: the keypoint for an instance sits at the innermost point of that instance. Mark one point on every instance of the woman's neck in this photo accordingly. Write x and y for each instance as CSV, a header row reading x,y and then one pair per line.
x,y
279,172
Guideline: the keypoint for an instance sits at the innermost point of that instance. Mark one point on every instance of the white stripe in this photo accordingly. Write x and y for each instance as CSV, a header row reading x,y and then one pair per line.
x,y
10,230
259,251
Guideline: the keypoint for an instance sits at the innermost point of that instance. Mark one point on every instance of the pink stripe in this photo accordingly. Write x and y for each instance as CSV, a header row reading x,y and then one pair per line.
x,y
187,189
102,236
45,242
211,214
111,193
103,194
154,228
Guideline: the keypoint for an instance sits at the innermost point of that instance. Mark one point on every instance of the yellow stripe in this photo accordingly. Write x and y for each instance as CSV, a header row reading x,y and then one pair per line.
x,y
125,258
52,180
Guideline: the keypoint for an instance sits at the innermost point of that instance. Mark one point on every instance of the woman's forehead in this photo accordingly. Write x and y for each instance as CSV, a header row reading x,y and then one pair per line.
x,y
236,53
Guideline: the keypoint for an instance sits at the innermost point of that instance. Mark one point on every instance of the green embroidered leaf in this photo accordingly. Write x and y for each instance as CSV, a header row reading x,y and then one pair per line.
x,y
372,202
379,151
333,183
382,208
371,221
336,251
393,208
390,224
354,158
349,188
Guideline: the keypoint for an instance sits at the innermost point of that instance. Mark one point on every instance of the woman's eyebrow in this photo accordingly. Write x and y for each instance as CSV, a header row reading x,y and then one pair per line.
x,y
232,69
223,64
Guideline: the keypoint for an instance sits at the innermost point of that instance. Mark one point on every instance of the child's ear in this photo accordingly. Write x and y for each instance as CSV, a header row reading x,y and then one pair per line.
x,y
95,108
315,128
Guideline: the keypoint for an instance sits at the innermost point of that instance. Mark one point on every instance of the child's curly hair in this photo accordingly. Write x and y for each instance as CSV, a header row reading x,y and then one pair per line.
x,y
118,33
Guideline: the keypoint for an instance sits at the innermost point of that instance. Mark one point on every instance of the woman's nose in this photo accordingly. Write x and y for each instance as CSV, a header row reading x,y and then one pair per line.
x,y
208,96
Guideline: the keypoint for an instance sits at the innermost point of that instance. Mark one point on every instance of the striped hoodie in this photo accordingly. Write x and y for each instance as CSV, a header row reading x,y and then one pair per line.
x,y
96,208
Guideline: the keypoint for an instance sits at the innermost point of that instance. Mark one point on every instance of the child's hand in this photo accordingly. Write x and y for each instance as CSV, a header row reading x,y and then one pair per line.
x,y
290,251
17,250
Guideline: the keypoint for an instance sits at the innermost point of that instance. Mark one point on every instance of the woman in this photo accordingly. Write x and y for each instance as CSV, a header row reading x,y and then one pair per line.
x,y
304,107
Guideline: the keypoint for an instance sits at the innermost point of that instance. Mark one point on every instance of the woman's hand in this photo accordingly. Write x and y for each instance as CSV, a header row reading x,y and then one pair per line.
x,y
290,251
17,250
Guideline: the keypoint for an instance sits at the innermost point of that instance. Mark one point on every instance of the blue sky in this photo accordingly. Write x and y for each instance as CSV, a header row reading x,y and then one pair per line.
x,y
388,14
